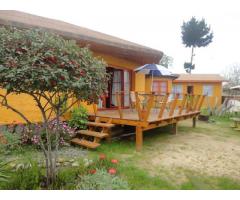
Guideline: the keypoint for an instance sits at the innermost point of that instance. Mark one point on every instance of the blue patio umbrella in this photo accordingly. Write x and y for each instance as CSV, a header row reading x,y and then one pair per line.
x,y
156,70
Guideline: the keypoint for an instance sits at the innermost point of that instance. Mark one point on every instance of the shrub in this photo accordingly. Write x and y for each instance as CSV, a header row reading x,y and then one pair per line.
x,y
66,178
3,172
25,179
31,134
101,180
13,141
79,118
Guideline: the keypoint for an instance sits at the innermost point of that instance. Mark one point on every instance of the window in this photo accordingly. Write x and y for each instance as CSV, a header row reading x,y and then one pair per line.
x,y
177,88
116,86
208,90
189,89
159,87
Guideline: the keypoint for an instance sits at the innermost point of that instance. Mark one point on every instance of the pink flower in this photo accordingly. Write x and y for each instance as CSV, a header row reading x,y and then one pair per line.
x,y
114,161
92,171
35,139
112,171
102,156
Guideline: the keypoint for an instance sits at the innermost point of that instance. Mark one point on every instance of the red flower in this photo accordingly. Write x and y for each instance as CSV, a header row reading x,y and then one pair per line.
x,y
73,62
102,156
82,73
62,78
51,59
112,171
92,171
53,83
114,161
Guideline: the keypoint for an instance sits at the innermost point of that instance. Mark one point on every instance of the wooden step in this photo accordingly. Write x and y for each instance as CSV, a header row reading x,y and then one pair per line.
x,y
85,143
98,124
93,133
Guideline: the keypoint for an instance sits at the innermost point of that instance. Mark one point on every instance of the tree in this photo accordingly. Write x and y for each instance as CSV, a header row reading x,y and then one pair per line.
x,y
52,71
232,75
195,33
166,61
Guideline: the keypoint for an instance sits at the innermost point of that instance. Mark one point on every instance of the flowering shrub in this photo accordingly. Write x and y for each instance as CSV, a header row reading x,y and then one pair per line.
x,y
31,134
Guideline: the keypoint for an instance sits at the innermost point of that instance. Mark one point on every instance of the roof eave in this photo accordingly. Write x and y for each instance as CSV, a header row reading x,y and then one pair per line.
x,y
139,55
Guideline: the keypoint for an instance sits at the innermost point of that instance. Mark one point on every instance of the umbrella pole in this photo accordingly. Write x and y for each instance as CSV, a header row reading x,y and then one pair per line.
x,y
152,83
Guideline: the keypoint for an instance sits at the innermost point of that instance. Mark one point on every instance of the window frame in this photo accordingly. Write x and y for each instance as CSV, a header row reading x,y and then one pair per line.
x,y
159,86
174,92
212,90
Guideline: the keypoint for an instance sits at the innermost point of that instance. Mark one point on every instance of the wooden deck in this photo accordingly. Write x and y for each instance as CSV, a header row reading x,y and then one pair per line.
x,y
145,115
132,114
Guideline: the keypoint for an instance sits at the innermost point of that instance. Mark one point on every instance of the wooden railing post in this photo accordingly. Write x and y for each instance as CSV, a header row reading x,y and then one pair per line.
x,y
196,101
138,107
173,106
183,104
149,106
119,104
164,103
189,103
200,103
94,108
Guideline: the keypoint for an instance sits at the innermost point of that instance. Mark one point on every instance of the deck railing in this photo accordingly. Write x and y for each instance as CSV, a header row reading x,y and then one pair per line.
x,y
165,105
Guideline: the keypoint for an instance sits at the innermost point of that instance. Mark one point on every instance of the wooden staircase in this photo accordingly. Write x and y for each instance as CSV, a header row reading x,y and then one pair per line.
x,y
91,137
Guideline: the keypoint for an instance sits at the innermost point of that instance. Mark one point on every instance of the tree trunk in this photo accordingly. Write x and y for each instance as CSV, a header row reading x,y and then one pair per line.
x,y
192,55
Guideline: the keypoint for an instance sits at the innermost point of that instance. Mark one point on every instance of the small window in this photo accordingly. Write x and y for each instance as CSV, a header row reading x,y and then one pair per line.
x,y
208,90
190,89
159,87
177,88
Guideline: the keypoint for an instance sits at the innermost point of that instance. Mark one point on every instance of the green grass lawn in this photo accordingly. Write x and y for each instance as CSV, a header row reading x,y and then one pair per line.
x,y
205,157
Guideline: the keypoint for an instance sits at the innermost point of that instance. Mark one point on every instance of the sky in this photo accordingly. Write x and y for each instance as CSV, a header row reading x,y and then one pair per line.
x,y
153,23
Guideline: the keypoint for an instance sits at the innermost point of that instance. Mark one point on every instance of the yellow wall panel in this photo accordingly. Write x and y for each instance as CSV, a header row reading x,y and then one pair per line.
x,y
23,103
139,82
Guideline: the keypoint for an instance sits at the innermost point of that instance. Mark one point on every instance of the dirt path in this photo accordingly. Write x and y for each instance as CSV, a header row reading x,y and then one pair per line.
x,y
209,149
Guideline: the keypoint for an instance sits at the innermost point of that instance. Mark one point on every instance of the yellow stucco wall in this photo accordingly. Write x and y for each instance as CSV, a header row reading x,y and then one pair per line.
x,y
26,104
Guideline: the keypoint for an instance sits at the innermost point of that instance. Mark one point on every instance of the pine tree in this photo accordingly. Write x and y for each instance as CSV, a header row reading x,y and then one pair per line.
x,y
195,33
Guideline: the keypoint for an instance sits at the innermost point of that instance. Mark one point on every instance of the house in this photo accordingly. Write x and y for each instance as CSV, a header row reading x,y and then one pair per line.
x,y
121,56
198,84
201,84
